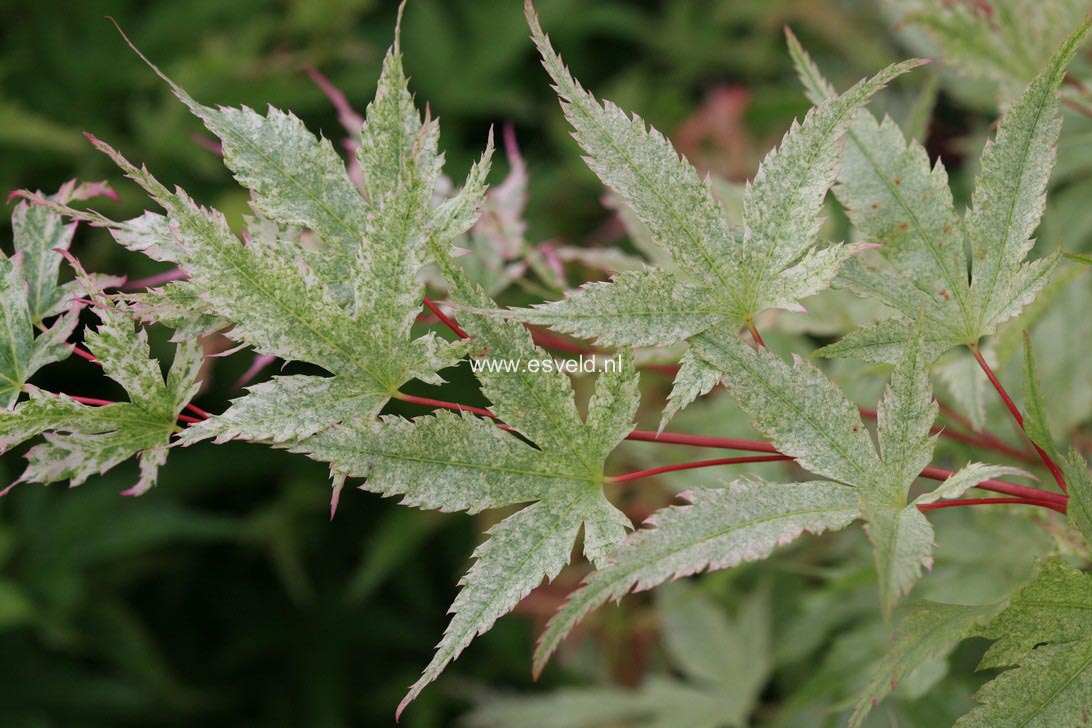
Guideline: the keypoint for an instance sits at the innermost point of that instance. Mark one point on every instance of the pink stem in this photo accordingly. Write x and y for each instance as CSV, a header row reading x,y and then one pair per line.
x,y
428,402
94,401
699,464
754,333
84,354
1060,508
197,411
445,319
1055,471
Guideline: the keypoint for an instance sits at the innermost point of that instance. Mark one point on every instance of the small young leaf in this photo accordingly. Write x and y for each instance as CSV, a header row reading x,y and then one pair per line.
x,y
83,440
29,293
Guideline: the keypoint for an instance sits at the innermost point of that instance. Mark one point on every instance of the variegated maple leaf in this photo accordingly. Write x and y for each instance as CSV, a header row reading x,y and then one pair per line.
x,y
896,198
83,439
724,275
345,303
806,416
30,293
457,462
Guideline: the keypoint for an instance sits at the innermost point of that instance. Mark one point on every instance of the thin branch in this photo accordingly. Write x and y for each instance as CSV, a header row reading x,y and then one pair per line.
x,y
429,402
1060,508
1009,404
729,443
982,440
698,464
96,402
1055,471
90,400
445,319
197,411
84,354
755,335
724,443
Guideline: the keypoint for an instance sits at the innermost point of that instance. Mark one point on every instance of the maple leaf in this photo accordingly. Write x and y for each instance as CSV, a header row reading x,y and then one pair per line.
x,y
804,415
897,199
1043,629
458,462
717,529
82,440
347,307
725,276
30,293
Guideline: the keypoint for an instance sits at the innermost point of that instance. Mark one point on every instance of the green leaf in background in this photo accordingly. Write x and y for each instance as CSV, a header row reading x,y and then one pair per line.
x,y
927,630
724,664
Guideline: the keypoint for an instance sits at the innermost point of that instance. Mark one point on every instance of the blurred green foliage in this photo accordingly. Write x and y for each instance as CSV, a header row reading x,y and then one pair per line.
x,y
224,596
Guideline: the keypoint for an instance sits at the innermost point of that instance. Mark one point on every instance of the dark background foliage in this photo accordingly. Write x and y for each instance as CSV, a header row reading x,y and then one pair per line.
x,y
225,596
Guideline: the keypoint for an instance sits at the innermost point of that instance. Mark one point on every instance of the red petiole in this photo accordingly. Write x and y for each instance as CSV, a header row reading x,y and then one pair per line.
x,y
1060,508
933,473
1052,466
95,402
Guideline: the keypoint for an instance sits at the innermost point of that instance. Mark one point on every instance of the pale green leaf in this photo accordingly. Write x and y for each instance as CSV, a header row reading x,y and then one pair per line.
x,y
29,291
719,528
1055,607
21,353
447,462
1079,479
83,440
282,310
801,411
896,198
696,377
927,631
1052,687
636,308
521,551
904,417
459,462
902,544
737,273
289,408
